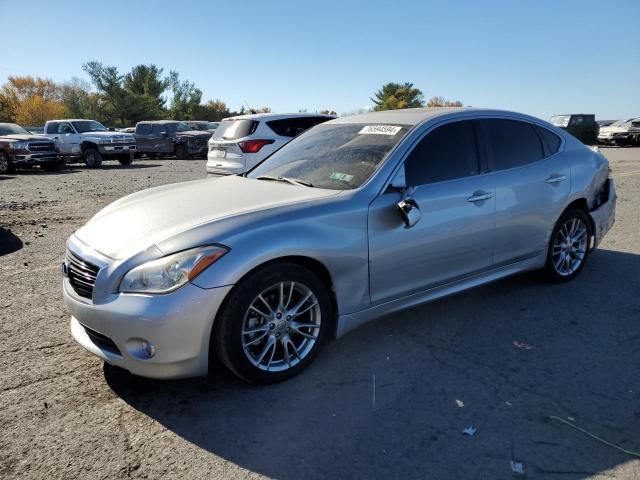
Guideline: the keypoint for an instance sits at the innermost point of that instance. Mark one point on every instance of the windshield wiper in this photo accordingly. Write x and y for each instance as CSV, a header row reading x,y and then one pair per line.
x,y
292,181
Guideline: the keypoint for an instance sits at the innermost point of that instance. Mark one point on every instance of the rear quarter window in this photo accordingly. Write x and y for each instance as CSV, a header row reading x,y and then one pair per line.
x,y
234,129
551,140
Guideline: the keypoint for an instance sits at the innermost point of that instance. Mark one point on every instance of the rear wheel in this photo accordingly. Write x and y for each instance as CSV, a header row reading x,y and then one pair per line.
x,y
273,323
5,164
152,156
92,158
128,160
181,152
568,246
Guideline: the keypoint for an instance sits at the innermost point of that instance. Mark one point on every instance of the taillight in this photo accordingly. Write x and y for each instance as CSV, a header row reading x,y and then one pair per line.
x,y
253,146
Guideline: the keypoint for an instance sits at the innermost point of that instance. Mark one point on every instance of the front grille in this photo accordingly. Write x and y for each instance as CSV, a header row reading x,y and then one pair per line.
x,y
102,341
121,139
41,147
82,275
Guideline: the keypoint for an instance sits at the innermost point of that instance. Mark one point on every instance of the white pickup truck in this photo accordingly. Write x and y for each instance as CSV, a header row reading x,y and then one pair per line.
x,y
90,141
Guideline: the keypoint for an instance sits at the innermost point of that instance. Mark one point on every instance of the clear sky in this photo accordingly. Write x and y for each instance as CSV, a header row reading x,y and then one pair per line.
x,y
540,57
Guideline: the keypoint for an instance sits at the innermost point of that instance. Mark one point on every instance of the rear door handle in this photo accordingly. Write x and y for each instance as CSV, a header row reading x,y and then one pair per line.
x,y
480,197
556,179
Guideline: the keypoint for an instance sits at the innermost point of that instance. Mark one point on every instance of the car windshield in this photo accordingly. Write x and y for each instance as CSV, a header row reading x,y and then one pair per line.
x,y
12,129
337,157
212,125
178,127
560,120
89,126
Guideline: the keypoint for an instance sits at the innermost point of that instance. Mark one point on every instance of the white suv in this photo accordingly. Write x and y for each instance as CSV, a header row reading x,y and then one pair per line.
x,y
240,143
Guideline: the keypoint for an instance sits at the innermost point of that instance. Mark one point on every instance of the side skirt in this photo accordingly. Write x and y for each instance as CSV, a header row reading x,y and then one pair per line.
x,y
350,321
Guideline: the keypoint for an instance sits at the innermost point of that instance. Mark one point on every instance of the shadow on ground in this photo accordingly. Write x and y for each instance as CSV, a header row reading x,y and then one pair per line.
x,y
502,358
9,242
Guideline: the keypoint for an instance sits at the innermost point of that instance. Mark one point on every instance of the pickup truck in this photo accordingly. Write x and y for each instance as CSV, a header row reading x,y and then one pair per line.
x,y
170,137
21,149
90,141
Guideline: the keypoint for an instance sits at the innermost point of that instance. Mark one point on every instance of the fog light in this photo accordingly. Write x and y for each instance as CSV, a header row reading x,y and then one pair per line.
x,y
141,348
149,348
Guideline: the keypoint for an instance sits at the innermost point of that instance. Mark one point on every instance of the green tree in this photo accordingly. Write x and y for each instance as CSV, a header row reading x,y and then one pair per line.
x,y
186,98
443,102
146,84
213,111
396,95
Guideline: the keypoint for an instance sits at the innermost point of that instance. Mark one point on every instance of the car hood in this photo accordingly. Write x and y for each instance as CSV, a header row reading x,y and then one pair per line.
x,y
141,220
108,134
614,130
23,138
194,133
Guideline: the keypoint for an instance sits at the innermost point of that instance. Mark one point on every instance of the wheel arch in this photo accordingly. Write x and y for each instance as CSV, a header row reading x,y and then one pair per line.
x,y
87,144
313,265
579,203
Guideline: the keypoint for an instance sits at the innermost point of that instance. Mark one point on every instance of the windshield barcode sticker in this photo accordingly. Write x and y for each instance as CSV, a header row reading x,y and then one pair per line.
x,y
379,130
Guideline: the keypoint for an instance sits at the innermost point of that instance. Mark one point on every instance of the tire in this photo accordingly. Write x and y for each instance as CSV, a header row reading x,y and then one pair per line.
x,y
261,356
125,160
565,260
152,156
181,152
5,164
92,158
52,166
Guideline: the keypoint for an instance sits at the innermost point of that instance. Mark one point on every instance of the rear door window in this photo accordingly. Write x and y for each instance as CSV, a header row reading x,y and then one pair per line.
x,y
52,127
511,143
234,129
158,128
446,153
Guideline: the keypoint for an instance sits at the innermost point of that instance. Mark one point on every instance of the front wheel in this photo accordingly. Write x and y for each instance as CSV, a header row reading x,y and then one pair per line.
x,y
128,160
273,323
181,152
92,158
568,246
5,164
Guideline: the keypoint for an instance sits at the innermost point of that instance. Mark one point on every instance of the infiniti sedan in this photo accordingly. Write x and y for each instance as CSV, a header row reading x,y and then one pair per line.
x,y
357,217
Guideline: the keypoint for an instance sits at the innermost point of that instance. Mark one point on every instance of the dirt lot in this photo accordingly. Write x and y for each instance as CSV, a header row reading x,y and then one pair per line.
x,y
438,369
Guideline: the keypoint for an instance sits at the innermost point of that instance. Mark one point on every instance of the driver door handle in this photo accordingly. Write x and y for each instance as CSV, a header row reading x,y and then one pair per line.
x,y
480,197
555,179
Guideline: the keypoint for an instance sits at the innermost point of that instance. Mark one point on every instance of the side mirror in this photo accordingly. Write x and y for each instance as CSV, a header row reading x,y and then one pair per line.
x,y
409,211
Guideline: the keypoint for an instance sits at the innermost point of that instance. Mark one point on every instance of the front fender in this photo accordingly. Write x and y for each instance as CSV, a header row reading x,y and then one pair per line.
x,y
336,240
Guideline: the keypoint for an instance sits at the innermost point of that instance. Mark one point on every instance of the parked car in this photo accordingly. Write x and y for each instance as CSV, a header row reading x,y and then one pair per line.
x,y
604,123
169,137
20,148
241,142
622,132
353,219
90,141
202,125
580,125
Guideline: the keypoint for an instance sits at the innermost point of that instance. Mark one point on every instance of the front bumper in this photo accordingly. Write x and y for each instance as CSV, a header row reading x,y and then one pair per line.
x,y
39,158
117,149
178,324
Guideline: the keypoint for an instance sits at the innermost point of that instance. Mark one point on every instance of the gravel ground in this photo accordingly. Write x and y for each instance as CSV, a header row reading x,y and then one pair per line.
x,y
437,369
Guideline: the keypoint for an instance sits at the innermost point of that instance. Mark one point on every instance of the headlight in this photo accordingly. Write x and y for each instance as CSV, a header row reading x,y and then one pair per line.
x,y
19,145
171,272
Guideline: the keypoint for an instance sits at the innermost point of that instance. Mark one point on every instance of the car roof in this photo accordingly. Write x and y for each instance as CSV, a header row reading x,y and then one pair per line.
x,y
277,116
73,120
164,121
416,116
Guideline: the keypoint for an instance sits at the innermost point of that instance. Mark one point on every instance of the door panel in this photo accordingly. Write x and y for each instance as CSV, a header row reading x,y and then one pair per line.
x,y
453,239
528,201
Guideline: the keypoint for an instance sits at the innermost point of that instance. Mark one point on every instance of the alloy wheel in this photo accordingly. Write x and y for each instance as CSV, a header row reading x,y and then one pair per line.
x,y
570,246
281,326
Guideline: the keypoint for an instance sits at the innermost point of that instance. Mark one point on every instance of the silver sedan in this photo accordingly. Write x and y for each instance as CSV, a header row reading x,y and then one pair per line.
x,y
355,218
